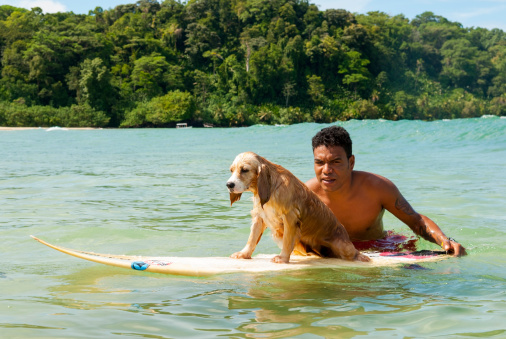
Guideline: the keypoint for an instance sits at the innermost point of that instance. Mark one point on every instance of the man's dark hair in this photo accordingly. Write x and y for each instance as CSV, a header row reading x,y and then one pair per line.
x,y
333,136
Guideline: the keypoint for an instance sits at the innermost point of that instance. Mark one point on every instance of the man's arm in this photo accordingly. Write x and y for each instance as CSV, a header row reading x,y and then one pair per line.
x,y
395,203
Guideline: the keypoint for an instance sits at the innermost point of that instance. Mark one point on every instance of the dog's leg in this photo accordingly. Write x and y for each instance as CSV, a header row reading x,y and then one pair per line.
x,y
347,251
291,233
257,229
300,249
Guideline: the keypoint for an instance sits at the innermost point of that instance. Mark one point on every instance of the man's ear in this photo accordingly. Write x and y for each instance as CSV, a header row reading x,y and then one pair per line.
x,y
351,160
234,197
264,184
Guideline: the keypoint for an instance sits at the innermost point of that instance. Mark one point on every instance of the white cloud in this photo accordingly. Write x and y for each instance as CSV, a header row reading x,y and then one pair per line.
x,y
479,12
48,6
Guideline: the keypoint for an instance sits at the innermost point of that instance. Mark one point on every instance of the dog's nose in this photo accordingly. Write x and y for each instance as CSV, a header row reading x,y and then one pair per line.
x,y
230,184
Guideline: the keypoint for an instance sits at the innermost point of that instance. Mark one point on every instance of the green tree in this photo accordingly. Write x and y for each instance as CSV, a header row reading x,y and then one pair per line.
x,y
498,60
95,85
148,75
173,107
459,67
356,74
316,89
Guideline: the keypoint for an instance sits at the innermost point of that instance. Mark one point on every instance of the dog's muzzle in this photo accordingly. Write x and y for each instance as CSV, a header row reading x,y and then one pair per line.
x,y
231,186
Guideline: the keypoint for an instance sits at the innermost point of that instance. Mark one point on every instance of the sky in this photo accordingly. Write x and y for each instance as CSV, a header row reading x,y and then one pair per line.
x,y
470,13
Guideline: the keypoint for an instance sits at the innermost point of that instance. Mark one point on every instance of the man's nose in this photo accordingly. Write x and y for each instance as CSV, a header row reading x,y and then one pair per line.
x,y
230,184
327,169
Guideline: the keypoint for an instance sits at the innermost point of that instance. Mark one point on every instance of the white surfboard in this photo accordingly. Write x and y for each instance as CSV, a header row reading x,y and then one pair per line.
x,y
206,266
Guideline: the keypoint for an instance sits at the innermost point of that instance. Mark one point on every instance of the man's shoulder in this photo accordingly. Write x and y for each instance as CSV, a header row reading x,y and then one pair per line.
x,y
372,181
313,184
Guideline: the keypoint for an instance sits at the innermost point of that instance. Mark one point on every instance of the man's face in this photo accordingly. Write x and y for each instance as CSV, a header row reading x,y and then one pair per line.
x,y
332,167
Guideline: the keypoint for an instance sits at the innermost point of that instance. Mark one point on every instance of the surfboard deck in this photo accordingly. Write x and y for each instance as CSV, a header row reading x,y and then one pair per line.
x,y
207,266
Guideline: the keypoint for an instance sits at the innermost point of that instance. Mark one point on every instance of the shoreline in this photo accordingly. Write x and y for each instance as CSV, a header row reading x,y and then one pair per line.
x,y
46,128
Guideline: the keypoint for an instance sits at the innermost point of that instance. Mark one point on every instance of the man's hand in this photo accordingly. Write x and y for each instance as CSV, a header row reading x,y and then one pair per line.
x,y
452,247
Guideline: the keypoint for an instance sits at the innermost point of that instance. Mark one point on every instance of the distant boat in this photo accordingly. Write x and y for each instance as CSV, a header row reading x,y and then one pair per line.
x,y
208,125
183,125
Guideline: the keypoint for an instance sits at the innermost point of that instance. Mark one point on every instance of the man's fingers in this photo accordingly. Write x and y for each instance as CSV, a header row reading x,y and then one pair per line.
x,y
460,250
447,246
453,247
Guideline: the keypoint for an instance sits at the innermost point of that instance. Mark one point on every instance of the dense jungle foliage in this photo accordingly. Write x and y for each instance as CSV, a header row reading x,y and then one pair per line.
x,y
242,62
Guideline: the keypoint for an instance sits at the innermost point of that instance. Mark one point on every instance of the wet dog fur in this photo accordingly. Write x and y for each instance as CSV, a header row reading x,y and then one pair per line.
x,y
299,221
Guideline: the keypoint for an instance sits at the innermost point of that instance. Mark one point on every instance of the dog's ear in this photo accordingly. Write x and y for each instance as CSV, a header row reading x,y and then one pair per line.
x,y
234,197
264,184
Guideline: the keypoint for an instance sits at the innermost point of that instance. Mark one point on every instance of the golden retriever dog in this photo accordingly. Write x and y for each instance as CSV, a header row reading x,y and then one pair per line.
x,y
298,219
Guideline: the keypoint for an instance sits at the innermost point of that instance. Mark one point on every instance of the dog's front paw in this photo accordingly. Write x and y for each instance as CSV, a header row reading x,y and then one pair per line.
x,y
280,260
240,255
362,257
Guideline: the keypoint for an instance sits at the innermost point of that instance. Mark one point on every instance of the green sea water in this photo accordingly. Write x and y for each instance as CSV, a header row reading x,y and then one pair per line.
x,y
162,192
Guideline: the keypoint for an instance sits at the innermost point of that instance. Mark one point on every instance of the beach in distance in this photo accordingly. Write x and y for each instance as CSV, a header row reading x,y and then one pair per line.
x,y
2,128
161,192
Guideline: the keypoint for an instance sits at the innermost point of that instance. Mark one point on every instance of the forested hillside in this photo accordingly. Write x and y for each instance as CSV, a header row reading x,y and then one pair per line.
x,y
242,62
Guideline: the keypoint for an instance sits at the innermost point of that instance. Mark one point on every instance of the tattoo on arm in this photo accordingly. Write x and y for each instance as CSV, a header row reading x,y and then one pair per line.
x,y
423,230
403,205
420,228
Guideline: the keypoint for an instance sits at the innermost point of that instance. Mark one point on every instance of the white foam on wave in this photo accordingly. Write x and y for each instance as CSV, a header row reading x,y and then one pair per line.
x,y
56,128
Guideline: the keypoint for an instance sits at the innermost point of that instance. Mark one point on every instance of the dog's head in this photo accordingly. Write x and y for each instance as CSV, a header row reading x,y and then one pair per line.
x,y
250,172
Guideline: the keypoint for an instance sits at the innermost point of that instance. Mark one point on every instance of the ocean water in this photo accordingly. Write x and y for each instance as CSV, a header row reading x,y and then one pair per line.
x,y
162,192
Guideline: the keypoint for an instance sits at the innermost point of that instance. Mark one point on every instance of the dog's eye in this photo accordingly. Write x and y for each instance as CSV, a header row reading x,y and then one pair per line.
x,y
244,170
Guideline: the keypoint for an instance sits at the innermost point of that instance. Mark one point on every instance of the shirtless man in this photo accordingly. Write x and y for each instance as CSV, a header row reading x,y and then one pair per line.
x,y
359,199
